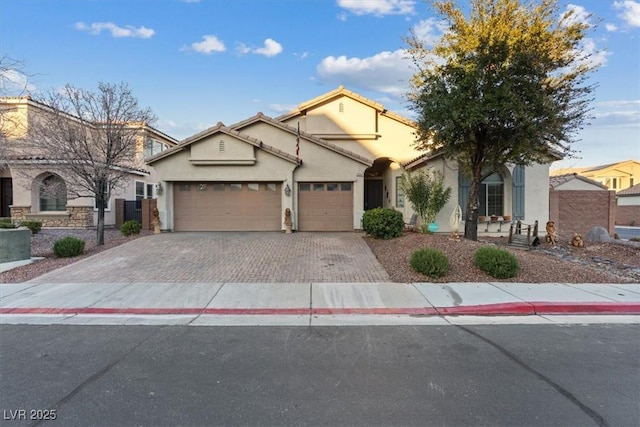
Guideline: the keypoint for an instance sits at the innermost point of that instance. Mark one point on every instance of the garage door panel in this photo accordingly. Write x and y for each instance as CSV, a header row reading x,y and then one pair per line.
x,y
325,210
214,206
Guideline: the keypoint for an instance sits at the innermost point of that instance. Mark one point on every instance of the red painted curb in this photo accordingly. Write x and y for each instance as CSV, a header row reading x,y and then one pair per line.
x,y
587,308
502,309
412,311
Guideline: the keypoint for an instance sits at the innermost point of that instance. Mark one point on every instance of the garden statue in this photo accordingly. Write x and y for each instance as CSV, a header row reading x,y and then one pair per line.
x,y
551,236
577,241
287,220
156,220
454,222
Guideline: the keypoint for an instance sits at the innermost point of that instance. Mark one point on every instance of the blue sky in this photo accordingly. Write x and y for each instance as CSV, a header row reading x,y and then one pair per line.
x,y
198,62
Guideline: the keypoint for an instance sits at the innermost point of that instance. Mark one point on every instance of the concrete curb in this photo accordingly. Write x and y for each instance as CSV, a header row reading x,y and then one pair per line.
x,y
502,309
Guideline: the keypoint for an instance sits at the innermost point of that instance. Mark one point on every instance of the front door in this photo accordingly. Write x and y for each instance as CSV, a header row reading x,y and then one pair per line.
x,y
372,194
6,197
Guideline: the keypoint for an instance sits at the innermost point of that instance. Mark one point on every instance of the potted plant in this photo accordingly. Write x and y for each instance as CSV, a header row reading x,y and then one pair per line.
x,y
427,194
494,218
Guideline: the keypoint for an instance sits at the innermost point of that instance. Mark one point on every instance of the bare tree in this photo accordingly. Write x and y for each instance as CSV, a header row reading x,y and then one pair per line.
x,y
93,137
13,82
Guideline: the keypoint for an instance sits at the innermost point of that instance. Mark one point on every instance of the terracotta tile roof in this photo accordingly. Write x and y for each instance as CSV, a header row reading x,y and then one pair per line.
x,y
631,191
555,181
423,158
309,137
41,160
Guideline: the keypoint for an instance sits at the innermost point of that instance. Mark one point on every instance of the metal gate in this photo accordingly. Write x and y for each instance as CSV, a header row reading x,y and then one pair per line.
x,y
133,210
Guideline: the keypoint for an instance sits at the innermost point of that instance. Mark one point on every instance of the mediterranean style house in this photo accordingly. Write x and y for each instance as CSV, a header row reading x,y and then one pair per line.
x,y
24,173
327,161
615,176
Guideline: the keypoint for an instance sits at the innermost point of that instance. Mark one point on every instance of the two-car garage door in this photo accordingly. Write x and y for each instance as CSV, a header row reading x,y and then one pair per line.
x,y
227,206
257,206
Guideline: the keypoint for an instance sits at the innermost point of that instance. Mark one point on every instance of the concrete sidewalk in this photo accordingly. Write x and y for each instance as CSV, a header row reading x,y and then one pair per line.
x,y
304,303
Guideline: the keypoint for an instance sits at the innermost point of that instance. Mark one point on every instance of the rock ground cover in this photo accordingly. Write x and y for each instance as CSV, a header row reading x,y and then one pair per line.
x,y
614,262
42,246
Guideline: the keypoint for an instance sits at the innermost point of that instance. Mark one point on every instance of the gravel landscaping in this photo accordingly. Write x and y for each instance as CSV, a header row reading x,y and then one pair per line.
x,y
42,246
614,262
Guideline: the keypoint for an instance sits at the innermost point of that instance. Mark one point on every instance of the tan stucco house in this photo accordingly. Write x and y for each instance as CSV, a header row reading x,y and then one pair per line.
x,y
23,172
328,161
615,176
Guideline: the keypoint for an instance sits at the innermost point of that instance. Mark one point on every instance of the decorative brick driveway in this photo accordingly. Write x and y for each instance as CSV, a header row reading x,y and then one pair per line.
x,y
229,257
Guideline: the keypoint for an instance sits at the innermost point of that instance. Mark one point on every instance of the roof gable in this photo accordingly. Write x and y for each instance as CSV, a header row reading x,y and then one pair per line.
x,y
336,94
559,180
306,136
218,152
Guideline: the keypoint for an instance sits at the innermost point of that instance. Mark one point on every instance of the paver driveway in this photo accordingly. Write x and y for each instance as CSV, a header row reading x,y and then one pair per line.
x,y
229,257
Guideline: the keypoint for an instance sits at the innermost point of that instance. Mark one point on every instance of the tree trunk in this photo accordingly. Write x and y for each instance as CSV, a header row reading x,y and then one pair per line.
x,y
471,216
100,228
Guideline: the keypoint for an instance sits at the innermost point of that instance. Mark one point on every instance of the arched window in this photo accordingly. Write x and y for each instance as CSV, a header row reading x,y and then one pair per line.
x,y
53,194
491,196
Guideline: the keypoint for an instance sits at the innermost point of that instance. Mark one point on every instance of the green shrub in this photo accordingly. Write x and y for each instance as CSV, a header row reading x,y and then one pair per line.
x,y
430,262
34,226
635,239
384,223
131,227
498,263
7,223
68,247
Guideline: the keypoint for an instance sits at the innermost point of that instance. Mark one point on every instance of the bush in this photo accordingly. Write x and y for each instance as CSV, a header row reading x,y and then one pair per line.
x,y
68,247
384,223
498,263
7,223
34,226
131,227
430,262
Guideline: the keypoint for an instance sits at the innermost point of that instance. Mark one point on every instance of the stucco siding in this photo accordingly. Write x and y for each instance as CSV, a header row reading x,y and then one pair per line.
x,y
577,184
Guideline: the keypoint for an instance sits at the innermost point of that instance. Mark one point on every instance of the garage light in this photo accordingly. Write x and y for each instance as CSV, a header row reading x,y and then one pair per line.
x,y
287,190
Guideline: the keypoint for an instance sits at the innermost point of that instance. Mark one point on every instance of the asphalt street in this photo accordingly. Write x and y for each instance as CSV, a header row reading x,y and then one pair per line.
x,y
507,375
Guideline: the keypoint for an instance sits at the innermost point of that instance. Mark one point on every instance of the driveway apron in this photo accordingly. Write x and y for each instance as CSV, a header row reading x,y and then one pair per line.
x,y
229,257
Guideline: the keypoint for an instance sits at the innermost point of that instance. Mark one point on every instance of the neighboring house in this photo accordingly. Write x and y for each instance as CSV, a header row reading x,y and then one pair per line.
x,y
23,172
615,176
628,206
328,161
577,204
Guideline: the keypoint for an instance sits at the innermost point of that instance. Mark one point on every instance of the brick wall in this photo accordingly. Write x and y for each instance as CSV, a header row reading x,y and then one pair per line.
x,y
578,211
628,215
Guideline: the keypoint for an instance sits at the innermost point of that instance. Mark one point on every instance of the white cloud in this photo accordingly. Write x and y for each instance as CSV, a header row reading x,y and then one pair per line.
x,y
591,54
630,11
611,27
208,45
15,83
378,7
621,113
576,15
129,31
430,30
342,16
386,72
281,109
270,48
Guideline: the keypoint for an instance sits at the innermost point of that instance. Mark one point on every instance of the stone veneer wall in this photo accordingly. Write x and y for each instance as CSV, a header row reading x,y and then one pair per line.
x,y
74,217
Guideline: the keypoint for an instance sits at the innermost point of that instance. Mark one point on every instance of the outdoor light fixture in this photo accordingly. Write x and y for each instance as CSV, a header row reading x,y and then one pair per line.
x,y
287,190
159,188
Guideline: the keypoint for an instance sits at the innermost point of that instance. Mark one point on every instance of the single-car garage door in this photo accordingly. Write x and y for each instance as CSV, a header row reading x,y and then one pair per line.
x,y
325,206
227,206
